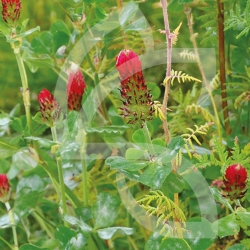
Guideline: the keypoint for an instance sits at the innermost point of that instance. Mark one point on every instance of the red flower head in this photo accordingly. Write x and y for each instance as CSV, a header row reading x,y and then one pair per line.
x,y
75,90
4,188
235,181
11,11
137,104
49,107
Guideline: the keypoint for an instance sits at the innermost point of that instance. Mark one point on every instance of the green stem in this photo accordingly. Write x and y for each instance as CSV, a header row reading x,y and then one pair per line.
x,y
13,225
43,225
6,243
96,81
148,139
25,91
237,202
60,175
84,166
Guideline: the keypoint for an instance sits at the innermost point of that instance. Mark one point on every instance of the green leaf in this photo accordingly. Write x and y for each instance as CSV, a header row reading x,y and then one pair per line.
x,y
122,163
43,44
59,26
107,25
176,143
134,153
17,125
128,12
159,145
31,247
33,61
174,243
23,160
174,6
155,175
107,233
237,247
64,235
77,243
137,25
174,183
85,228
42,141
100,13
6,149
219,198
28,32
245,217
226,226
105,210
139,138
34,182
26,201
154,241
155,90
51,244
240,60
199,234
185,1
60,38
108,129
84,213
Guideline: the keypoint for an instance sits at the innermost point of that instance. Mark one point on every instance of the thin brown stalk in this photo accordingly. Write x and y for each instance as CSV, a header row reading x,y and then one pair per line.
x,y
169,38
222,65
197,58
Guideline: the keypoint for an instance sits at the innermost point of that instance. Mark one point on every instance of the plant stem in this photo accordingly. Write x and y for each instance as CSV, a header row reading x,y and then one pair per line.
x,y
6,243
222,62
25,87
84,179
60,175
148,140
84,170
169,38
204,79
96,81
168,69
13,225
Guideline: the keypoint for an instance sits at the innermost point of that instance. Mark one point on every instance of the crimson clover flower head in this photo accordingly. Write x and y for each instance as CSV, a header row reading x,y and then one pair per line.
x,y
4,188
137,100
11,11
235,181
128,64
75,90
49,107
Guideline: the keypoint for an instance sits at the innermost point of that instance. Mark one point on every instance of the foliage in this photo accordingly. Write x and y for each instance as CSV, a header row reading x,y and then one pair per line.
x,y
86,179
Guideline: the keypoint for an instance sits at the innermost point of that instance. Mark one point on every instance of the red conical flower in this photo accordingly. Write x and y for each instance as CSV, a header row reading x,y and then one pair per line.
x,y
235,181
75,90
4,188
11,11
49,107
137,104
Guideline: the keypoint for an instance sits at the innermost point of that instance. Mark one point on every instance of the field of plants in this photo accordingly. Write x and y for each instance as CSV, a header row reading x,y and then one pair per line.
x,y
125,125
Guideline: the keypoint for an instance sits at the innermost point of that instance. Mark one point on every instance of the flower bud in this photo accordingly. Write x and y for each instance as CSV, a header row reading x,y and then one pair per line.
x,y
49,107
11,11
75,90
4,188
137,100
235,181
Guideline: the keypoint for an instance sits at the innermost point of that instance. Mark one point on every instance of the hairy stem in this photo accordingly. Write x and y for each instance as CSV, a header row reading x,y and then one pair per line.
x,y
168,69
13,224
169,38
222,65
84,177
204,79
25,87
